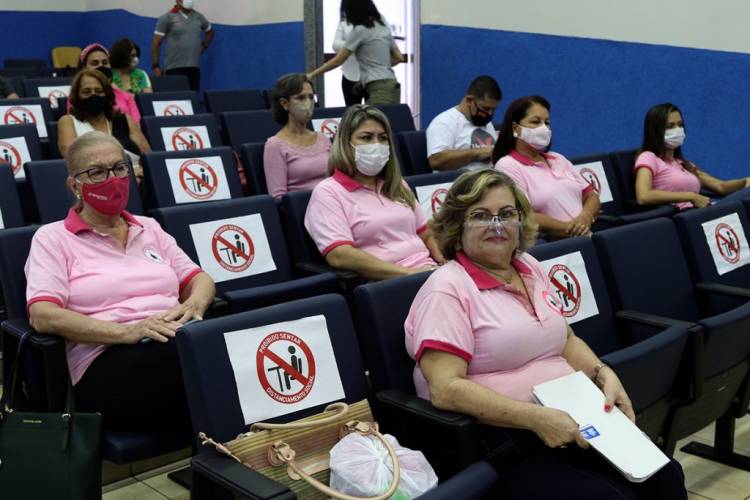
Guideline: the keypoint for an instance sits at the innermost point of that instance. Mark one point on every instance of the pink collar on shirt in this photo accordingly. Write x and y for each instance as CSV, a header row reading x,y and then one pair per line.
x,y
483,279
349,183
526,160
75,223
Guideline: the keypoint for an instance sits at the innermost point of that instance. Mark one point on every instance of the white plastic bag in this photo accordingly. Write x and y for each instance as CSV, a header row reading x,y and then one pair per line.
x,y
361,466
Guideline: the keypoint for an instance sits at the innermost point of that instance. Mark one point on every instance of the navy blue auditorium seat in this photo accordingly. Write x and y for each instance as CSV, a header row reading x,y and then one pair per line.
x,y
216,411
219,101
620,207
252,158
399,116
54,199
32,85
45,373
168,103
12,153
170,83
182,133
11,214
646,271
25,110
177,177
412,146
240,243
242,127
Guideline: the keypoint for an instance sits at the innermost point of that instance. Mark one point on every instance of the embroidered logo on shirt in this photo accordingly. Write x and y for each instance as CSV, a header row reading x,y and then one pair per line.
x,y
153,255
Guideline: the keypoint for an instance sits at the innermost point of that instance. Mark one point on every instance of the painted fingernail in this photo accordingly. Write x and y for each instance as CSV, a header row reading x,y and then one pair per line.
x,y
607,407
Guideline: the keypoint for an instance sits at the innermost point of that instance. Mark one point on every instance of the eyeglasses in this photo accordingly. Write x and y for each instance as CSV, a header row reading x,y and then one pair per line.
x,y
99,173
483,218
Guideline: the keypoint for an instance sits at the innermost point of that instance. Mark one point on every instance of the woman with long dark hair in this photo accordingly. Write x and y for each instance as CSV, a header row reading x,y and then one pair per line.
x,y
663,175
372,43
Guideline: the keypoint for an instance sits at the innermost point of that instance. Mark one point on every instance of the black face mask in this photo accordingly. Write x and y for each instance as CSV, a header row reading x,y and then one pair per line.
x,y
94,105
481,118
106,70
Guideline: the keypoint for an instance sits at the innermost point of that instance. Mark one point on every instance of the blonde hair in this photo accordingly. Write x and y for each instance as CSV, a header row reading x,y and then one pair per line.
x,y
447,225
76,152
342,153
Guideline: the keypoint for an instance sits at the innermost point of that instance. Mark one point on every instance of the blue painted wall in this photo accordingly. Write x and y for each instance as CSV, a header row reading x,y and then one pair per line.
x,y
240,56
599,90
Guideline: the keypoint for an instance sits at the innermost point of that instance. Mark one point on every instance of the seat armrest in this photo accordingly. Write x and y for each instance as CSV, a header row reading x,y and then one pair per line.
x,y
421,408
612,220
734,291
316,268
218,308
655,320
242,481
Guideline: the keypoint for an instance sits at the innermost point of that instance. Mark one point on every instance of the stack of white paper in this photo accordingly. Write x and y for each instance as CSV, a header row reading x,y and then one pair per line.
x,y
612,434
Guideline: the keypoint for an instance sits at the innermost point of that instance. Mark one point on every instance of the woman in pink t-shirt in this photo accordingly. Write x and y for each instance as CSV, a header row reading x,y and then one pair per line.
x,y
564,203
487,327
663,174
296,158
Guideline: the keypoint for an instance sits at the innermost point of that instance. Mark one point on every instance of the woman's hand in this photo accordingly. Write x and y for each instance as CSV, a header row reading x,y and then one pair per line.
x,y
155,327
614,392
557,429
581,225
184,312
700,201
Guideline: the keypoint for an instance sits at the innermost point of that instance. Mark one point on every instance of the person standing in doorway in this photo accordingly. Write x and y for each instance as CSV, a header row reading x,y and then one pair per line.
x,y
372,43
182,27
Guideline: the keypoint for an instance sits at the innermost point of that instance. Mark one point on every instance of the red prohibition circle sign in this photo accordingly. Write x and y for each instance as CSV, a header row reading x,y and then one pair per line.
x,y
233,248
330,127
286,367
18,115
53,97
567,288
9,154
198,179
174,110
186,139
728,243
438,198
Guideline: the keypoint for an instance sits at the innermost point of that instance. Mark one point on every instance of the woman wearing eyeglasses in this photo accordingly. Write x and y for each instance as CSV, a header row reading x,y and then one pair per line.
x,y
486,327
92,103
564,203
296,158
116,287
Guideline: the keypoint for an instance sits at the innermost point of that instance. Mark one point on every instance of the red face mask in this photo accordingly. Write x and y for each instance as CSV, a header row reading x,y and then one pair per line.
x,y
109,197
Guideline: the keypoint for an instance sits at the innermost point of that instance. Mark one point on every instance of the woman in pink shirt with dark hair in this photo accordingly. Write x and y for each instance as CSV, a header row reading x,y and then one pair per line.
x,y
663,175
364,218
564,203
296,158
116,287
487,326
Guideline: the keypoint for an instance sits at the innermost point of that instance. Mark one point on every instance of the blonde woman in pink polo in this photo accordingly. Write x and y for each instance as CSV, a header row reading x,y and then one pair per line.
x,y
663,175
116,287
364,218
487,326
564,204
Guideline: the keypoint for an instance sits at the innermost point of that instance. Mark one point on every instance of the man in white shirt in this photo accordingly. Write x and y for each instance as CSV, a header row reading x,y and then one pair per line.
x,y
463,136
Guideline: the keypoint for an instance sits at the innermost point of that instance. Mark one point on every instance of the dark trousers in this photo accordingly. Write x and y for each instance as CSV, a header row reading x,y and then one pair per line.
x,y
136,387
354,92
193,74
527,468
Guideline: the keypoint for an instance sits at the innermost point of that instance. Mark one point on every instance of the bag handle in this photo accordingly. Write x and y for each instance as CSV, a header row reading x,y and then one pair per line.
x,y
281,453
336,410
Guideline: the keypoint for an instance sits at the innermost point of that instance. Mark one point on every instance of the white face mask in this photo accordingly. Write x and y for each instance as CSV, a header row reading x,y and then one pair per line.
x,y
538,138
371,158
674,137
188,4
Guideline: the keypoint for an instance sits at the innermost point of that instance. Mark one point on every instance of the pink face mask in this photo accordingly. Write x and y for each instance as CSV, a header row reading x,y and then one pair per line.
x,y
109,197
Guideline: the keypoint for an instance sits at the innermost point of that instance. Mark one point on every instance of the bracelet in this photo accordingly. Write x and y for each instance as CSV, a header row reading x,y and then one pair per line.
x,y
597,369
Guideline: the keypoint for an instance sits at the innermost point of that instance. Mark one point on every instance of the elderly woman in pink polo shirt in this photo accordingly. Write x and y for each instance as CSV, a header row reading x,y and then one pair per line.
x,y
486,327
296,158
564,203
116,287
663,175
364,218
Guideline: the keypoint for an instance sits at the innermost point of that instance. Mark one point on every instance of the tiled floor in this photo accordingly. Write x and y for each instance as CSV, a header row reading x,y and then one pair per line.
x,y
705,479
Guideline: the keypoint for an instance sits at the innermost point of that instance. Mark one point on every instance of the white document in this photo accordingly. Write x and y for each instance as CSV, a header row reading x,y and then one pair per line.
x,y
594,174
173,108
727,242
185,138
571,286
15,152
283,368
328,126
198,179
53,93
27,113
233,248
612,434
432,197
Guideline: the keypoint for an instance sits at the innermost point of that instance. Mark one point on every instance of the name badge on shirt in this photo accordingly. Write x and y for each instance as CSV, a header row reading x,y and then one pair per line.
x,y
153,255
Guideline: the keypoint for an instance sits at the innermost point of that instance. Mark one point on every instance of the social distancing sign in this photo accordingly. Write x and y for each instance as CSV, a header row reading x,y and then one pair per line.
x,y
283,368
571,286
432,197
53,93
15,152
198,179
727,242
594,174
326,126
22,115
233,248
173,108
185,138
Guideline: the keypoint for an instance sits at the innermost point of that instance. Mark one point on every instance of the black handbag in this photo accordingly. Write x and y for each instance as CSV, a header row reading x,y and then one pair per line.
x,y
48,455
